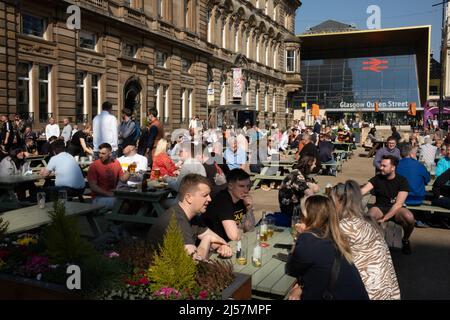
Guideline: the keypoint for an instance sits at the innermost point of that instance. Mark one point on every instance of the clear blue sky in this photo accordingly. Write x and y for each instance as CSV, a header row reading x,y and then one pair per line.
x,y
394,13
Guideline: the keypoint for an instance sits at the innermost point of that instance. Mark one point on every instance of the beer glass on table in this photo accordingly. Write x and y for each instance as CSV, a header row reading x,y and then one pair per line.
x,y
157,173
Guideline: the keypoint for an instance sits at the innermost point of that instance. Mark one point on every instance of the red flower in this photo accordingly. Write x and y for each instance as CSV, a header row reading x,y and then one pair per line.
x,y
203,294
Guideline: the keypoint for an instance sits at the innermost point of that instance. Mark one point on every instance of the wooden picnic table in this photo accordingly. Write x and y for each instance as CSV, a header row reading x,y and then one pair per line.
x,y
8,198
268,281
28,218
150,207
38,160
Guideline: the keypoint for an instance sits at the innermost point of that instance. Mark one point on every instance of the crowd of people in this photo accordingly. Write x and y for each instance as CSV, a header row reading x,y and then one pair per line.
x,y
207,172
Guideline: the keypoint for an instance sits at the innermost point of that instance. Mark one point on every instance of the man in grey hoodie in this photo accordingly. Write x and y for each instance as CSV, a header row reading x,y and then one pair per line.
x,y
389,149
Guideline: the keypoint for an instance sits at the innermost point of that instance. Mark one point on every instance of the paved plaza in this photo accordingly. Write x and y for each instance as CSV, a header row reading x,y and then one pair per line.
x,y
422,275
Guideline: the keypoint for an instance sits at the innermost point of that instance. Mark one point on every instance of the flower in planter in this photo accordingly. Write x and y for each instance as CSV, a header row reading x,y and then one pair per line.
x,y
167,294
36,265
26,240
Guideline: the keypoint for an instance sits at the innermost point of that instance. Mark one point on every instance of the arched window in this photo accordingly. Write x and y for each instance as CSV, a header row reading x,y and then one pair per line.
x,y
210,30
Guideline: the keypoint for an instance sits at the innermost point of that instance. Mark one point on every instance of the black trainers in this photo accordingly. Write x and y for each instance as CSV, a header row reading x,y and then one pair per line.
x,y
406,247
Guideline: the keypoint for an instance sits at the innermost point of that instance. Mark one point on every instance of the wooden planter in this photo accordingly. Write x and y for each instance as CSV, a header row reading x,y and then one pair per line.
x,y
19,288
239,289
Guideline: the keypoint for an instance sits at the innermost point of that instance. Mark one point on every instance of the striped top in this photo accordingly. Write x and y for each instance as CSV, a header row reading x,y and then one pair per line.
x,y
372,259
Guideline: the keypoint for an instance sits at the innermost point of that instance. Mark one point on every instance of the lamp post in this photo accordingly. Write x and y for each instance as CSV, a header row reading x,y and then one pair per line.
x,y
443,39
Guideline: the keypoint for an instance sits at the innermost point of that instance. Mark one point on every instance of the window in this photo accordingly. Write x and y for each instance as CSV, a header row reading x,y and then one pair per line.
x,y
88,40
275,13
274,103
33,26
223,97
159,8
189,103
166,103
290,61
266,100
94,92
257,98
266,7
129,50
161,58
157,98
43,93
23,88
183,106
185,65
189,12
210,25
79,96
236,40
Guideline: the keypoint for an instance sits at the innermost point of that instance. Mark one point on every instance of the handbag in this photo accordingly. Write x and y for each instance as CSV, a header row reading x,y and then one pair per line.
x,y
328,294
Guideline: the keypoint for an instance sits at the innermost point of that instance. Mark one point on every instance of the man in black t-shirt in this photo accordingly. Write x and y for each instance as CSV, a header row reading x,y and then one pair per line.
x,y
391,191
231,207
194,198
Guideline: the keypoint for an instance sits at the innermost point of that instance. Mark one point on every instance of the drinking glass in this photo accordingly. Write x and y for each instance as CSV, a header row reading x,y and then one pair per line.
x,y
41,200
295,220
157,173
270,226
62,196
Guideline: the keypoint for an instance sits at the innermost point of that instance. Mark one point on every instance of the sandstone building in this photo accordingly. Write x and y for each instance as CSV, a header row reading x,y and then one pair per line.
x,y
175,55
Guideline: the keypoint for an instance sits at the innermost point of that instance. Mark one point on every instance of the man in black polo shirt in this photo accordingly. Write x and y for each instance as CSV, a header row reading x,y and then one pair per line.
x,y
198,239
231,206
391,191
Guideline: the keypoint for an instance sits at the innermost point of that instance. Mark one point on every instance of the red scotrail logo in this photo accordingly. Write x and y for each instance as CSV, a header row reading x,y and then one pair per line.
x,y
375,65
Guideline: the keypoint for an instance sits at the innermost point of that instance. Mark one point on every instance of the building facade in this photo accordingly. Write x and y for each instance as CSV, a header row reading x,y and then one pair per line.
x,y
183,57
374,75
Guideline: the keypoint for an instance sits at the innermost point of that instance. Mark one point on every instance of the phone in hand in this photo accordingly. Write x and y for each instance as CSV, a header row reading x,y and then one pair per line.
x,y
286,246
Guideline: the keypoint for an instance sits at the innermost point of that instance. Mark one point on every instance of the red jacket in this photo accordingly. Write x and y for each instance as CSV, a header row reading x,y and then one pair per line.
x,y
164,164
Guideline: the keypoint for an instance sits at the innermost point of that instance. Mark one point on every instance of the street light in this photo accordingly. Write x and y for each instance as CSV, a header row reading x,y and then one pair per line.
x,y
441,85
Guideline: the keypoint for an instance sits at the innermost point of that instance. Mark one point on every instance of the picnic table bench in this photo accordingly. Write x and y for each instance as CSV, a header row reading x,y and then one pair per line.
x,y
149,210
270,280
37,161
8,198
32,217
258,178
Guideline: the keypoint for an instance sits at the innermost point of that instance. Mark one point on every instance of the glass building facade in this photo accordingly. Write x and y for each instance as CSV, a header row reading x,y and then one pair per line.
x,y
345,87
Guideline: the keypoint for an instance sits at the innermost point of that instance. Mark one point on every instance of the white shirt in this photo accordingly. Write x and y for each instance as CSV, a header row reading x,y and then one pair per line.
x,y
428,153
193,124
105,130
67,171
51,130
301,125
435,123
141,162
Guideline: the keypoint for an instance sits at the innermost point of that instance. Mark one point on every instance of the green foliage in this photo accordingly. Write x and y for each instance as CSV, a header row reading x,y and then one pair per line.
x,y
214,275
172,266
3,227
62,238
100,274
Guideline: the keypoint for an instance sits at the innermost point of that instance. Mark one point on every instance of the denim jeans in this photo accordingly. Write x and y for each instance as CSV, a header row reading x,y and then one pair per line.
x,y
108,202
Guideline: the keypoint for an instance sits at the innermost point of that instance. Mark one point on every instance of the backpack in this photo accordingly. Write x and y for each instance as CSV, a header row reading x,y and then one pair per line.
x,y
136,133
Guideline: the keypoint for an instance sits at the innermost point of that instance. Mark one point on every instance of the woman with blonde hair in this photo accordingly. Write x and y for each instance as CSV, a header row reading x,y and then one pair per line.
x,y
162,161
369,249
321,259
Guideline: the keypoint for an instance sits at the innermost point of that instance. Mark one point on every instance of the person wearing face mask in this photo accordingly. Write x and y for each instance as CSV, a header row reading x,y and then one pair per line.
x,y
193,200
232,208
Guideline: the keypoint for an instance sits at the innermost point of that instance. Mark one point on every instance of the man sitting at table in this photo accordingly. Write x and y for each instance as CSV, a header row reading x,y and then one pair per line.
x,y
193,201
232,207
68,175
130,156
104,175
15,165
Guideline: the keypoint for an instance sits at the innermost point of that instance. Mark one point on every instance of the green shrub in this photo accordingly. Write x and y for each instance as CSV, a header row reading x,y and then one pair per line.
x,y
172,266
62,238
